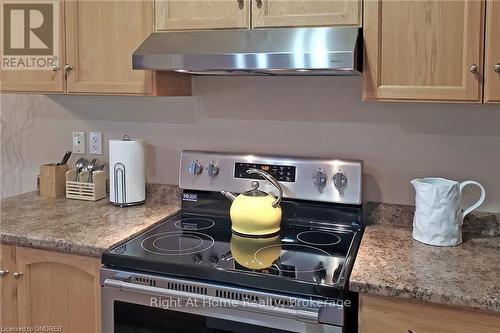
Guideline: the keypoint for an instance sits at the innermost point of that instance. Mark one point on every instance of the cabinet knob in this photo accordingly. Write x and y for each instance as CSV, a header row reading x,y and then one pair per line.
x,y
259,3
4,272
473,68
17,275
67,68
241,3
496,68
55,68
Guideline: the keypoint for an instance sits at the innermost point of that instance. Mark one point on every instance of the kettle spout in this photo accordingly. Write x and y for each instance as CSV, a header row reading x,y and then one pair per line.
x,y
229,195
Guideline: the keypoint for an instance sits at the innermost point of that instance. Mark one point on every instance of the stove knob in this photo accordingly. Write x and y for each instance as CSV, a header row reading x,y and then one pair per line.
x,y
339,180
213,260
195,168
197,258
212,169
319,178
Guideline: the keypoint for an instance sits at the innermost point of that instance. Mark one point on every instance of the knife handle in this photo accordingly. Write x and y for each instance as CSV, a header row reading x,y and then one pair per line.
x,y
65,158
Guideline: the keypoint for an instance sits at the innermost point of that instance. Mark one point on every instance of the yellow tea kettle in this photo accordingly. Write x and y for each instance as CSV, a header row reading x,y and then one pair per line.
x,y
255,212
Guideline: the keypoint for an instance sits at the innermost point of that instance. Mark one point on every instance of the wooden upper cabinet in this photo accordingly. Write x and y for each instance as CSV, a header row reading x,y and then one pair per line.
x,y
492,67
51,81
58,289
423,50
101,37
8,291
202,14
388,315
303,13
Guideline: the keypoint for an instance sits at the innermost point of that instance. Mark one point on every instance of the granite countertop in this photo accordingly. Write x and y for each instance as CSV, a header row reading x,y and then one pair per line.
x,y
81,227
390,263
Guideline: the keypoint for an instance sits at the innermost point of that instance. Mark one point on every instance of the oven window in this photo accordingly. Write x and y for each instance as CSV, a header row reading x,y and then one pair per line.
x,y
134,318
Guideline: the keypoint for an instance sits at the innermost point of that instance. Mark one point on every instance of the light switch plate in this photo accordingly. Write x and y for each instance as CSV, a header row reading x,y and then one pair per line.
x,y
78,142
95,143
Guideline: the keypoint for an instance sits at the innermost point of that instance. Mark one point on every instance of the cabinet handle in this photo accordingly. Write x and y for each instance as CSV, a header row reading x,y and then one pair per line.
x,y
241,3
411,331
259,3
55,68
496,68
17,275
67,68
4,272
473,68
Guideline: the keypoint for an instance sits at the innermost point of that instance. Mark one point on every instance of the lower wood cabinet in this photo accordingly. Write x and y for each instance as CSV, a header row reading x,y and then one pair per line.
x,y
8,290
388,315
50,288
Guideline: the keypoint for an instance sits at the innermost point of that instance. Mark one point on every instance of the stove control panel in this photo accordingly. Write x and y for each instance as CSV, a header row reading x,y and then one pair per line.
x,y
324,180
282,173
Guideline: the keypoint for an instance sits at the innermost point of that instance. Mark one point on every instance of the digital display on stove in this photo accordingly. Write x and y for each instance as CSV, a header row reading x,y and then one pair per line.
x,y
282,173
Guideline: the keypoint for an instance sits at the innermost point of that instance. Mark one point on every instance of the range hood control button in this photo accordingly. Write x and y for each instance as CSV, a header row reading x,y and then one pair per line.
x,y
195,168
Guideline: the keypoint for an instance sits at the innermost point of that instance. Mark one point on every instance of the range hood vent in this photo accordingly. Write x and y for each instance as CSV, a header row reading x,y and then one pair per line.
x,y
287,51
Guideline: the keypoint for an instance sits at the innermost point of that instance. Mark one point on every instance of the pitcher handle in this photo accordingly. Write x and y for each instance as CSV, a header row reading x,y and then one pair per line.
x,y
481,198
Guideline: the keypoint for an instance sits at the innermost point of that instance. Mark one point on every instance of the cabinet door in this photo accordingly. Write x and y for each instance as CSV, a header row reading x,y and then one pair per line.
x,y
58,289
51,80
286,13
423,50
202,14
384,315
492,68
8,292
101,37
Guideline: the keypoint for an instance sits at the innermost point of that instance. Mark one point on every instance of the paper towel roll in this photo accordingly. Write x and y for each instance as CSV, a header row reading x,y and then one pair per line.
x,y
127,172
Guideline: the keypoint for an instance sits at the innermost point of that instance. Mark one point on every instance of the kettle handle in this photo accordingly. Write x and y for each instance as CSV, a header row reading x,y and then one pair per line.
x,y
273,181
481,198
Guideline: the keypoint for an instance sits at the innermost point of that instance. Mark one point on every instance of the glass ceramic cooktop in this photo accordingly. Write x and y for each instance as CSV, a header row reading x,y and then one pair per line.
x,y
204,247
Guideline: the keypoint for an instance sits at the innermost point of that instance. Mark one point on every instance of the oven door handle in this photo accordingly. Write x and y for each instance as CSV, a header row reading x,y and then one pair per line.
x,y
299,315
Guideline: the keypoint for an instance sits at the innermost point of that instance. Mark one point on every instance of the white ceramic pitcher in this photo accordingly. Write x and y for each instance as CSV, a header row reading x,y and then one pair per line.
x,y
439,214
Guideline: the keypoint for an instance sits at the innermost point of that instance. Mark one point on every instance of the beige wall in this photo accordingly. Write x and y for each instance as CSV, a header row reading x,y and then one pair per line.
x,y
322,117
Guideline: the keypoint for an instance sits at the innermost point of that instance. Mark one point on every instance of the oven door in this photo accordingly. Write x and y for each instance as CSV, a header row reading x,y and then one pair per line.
x,y
128,306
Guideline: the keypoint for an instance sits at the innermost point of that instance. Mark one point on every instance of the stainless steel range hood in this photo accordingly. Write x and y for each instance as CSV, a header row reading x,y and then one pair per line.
x,y
294,51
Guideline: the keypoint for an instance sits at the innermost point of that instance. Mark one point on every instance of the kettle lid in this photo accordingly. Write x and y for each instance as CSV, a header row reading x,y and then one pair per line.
x,y
255,192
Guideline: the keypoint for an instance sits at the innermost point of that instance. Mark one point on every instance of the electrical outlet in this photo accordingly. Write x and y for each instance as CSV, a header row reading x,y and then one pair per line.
x,y
95,141
79,142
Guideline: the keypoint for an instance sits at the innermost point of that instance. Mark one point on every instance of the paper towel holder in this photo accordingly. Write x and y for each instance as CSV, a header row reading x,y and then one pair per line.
x,y
123,177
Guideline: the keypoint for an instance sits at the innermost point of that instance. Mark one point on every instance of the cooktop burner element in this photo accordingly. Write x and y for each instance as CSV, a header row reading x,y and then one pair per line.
x,y
177,243
195,224
318,238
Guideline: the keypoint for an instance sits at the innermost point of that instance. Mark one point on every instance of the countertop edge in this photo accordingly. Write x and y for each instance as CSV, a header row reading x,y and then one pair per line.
x,y
377,280
426,296
65,246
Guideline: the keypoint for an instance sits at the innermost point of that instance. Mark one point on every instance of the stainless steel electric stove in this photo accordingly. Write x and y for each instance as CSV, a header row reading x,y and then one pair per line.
x,y
190,273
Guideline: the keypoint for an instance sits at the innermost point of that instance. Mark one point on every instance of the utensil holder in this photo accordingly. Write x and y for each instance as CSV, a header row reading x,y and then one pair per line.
x,y
89,191
52,180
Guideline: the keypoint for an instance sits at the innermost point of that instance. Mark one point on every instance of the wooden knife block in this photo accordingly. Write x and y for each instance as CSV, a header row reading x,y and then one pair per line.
x,y
53,180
